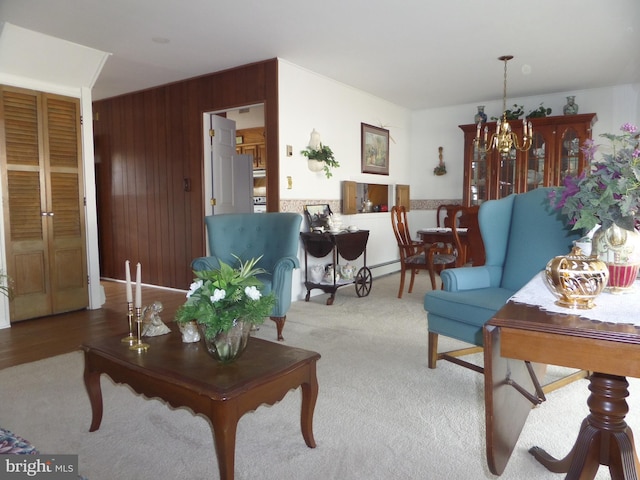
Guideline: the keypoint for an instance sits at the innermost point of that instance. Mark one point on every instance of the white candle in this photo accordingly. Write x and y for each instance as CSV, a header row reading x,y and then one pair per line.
x,y
138,287
128,277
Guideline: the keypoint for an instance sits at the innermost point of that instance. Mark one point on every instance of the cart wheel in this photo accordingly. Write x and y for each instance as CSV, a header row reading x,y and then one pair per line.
x,y
306,298
363,282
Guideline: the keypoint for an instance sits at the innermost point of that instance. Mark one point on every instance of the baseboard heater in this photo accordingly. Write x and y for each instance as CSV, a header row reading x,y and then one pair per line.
x,y
383,264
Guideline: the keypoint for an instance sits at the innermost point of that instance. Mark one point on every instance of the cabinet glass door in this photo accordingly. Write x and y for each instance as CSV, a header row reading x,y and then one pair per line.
x,y
507,173
570,154
478,176
535,162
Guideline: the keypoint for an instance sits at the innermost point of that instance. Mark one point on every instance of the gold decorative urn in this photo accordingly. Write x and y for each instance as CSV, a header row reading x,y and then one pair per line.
x,y
576,279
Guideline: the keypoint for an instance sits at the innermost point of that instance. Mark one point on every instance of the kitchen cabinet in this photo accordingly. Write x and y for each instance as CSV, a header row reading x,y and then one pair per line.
x,y
251,141
554,154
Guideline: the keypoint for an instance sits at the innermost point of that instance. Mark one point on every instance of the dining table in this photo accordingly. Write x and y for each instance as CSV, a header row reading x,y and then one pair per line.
x,y
445,235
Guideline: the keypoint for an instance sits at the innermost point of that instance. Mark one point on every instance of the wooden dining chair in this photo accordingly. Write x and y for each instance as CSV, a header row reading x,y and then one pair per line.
x,y
470,247
415,255
445,214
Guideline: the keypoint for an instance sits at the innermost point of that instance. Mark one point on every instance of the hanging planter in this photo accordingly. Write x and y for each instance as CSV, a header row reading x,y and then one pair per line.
x,y
315,165
320,158
440,169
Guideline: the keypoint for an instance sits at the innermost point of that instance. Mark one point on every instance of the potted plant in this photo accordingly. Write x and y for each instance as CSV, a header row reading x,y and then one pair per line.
x,y
608,195
540,112
6,287
225,303
513,114
440,169
323,157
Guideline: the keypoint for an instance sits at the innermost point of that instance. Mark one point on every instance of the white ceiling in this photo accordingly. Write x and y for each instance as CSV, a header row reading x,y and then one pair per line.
x,y
415,53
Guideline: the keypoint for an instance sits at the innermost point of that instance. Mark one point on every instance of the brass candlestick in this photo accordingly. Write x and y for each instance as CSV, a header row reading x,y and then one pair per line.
x,y
130,339
138,345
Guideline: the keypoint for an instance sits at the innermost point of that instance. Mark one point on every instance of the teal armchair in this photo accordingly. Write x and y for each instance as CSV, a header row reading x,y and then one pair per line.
x,y
274,236
521,233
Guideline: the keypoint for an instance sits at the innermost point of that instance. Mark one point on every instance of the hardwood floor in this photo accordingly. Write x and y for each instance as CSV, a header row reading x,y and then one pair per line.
x,y
36,339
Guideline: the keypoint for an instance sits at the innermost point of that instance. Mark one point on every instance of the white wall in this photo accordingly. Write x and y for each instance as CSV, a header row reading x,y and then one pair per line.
x,y
439,127
307,101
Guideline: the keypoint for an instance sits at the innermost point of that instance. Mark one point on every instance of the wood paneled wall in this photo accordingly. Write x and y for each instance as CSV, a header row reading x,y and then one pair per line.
x,y
146,144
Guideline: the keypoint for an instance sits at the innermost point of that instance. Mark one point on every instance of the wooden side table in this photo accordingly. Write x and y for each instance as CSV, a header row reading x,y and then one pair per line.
x,y
612,350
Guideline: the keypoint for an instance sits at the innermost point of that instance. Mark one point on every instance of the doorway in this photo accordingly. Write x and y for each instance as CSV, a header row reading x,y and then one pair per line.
x,y
250,140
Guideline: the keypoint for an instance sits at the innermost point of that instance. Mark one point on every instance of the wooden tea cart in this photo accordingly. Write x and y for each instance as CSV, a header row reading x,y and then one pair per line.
x,y
345,244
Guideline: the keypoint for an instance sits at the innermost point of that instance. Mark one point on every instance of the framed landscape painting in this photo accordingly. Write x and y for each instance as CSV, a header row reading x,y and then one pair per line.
x,y
375,149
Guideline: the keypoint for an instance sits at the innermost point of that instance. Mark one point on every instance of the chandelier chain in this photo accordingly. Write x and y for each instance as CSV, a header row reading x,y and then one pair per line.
x,y
504,91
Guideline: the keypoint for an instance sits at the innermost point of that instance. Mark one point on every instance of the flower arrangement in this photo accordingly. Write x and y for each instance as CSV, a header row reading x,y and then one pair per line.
x,y
609,193
218,297
322,154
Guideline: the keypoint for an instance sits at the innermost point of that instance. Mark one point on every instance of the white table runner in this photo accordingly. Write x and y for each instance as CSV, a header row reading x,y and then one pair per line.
x,y
441,230
614,308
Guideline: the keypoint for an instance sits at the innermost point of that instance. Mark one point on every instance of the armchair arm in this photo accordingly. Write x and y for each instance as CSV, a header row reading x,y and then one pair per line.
x,y
281,284
284,265
470,278
205,263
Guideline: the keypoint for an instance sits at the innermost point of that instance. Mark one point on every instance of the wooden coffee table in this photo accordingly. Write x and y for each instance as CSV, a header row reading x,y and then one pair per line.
x,y
184,375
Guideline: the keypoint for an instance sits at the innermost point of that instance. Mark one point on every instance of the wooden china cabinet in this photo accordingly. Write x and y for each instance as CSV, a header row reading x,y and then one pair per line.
x,y
555,153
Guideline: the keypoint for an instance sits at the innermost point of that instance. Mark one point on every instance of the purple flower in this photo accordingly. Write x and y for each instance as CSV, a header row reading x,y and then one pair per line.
x,y
571,188
589,149
609,191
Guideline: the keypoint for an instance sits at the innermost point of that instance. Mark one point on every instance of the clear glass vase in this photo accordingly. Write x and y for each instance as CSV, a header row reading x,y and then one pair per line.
x,y
620,250
227,347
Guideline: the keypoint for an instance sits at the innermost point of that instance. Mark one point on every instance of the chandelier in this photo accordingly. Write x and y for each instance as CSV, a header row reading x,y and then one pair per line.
x,y
504,139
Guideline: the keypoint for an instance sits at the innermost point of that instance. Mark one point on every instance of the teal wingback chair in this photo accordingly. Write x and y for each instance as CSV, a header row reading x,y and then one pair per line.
x,y
274,236
521,233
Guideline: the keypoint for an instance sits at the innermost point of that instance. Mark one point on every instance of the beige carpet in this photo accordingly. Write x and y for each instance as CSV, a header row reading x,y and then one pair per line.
x,y
381,413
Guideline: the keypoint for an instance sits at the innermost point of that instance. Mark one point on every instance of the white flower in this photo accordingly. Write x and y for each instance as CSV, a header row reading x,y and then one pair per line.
x,y
194,287
253,293
217,295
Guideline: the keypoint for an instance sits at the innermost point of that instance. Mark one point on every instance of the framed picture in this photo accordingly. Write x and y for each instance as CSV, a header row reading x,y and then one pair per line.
x,y
375,150
318,216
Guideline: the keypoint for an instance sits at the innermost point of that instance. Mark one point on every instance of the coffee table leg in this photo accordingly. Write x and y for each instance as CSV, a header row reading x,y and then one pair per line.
x,y
224,420
92,384
309,397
